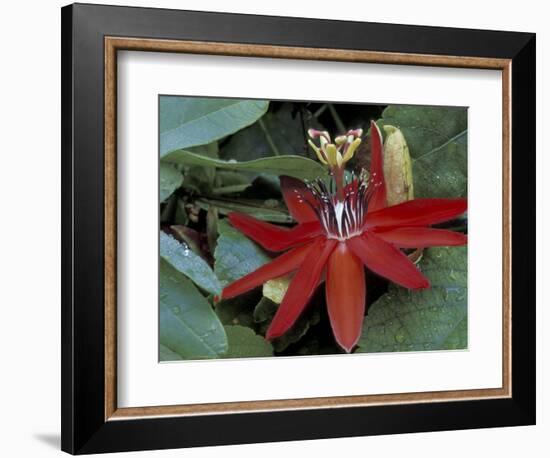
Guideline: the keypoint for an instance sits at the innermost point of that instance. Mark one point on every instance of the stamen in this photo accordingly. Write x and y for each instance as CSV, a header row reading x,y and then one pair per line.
x,y
342,219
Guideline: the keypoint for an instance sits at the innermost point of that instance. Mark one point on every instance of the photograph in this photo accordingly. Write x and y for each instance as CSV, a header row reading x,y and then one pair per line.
x,y
300,228
283,225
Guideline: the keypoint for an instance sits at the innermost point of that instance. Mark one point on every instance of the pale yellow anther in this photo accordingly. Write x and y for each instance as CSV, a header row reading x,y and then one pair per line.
x,y
340,140
318,152
351,149
334,157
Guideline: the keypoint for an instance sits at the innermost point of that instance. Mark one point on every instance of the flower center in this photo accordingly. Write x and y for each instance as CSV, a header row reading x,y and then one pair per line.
x,y
345,217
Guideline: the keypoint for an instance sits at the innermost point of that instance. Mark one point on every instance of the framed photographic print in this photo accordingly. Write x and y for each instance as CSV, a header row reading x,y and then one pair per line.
x,y
281,228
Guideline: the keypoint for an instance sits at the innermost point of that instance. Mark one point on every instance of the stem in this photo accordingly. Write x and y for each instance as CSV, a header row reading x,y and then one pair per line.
x,y
320,111
270,141
307,150
337,119
338,174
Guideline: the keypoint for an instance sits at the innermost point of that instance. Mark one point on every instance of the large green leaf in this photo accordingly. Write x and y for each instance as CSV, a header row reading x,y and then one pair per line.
x,y
168,355
193,121
236,255
296,166
188,325
188,263
279,132
438,142
431,319
245,343
170,179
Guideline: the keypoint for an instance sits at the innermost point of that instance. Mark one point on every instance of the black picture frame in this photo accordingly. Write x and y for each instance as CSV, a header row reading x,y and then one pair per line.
x,y
84,427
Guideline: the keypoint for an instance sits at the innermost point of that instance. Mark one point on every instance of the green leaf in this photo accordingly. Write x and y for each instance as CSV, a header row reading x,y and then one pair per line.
x,y
236,255
168,355
438,142
229,178
201,174
188,325
212,219
168,209
180,214
170,180
430,319
193,121
295,166
266,210
188,263
280,132
244,343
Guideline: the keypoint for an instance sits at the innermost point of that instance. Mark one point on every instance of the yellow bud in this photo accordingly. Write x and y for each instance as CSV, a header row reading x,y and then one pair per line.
x,y
397,167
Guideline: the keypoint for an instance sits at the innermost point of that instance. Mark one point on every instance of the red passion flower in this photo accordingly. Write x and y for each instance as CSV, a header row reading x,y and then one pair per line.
x,y
342,227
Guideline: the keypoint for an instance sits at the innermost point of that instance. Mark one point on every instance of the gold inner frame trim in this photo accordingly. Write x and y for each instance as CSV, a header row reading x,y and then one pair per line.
x,y
114,44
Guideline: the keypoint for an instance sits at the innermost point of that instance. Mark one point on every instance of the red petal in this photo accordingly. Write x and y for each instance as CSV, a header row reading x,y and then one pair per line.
x,y
417,212
421,237
297,196
301,288
378,199
274,238
345,292
387,261
281,265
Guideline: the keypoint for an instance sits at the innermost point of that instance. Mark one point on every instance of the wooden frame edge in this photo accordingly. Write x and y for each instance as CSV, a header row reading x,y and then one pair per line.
x,y
507,227
291,52
111,46
110,200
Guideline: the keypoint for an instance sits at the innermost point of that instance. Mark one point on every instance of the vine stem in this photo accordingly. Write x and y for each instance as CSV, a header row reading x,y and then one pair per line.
x,y
269,139
337,119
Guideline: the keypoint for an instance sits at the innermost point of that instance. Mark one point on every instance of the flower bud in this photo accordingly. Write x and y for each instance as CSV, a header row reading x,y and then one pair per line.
x,y
397,167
